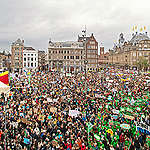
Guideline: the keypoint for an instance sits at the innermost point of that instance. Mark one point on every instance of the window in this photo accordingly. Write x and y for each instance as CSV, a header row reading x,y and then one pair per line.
x,y
81,52
24,64
92,42
140,54
81,57
93,46
89,46
35,59
28,58
28,64
28,54
64,57
35,54
77,57
24,54
31,59
16,64
35,64
62,52
65,52
67,57
68,52
31,64
31,54
59,52
24,59
134,54
71,57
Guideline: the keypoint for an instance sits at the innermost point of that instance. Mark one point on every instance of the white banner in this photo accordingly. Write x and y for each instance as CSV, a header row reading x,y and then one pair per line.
x,y
74,113
115,111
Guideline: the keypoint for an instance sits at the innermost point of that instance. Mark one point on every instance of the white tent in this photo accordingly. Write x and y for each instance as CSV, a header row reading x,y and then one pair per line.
x,y
4,88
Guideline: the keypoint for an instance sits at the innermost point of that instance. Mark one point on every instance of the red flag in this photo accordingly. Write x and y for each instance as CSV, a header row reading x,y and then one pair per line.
x,y
4,77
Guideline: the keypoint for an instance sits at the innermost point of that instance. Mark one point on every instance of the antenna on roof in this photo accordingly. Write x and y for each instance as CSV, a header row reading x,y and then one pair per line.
x,y
84,32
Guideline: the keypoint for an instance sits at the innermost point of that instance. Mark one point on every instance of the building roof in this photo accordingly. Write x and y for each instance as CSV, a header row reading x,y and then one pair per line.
x,y
5,52
67,44
139,37
29,49
81,38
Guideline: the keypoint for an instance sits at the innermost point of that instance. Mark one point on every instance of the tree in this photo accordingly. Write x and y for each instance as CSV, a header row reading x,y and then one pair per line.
x,y
142,63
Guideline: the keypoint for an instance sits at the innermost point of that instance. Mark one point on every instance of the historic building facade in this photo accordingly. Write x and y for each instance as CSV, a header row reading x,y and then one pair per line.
x,y
102,58
127,54
91,51
17,55
5,61
30,59
42,60
74,56
66,56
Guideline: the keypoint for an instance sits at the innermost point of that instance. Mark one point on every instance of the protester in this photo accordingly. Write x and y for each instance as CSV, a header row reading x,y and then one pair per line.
x,y
50,110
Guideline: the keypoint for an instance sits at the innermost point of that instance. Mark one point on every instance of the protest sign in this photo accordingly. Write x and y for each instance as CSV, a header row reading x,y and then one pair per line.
x,y
97,95
142,127
110,131
25,121
114,116
49,99
129,117
73,113
68,74
26,141
53,109
125,126
97,137
115,111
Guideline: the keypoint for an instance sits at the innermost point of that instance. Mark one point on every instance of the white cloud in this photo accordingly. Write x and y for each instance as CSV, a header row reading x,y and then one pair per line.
x,y
38,20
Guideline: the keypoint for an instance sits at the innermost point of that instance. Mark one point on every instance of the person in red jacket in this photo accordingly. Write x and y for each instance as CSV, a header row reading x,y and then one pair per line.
x,y
83,146
122,141
69,146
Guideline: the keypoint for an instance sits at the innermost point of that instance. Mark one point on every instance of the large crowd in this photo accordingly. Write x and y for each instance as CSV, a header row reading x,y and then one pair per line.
x,y
108,110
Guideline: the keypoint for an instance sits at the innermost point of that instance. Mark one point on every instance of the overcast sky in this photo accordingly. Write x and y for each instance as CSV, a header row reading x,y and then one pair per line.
x,y
36,21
